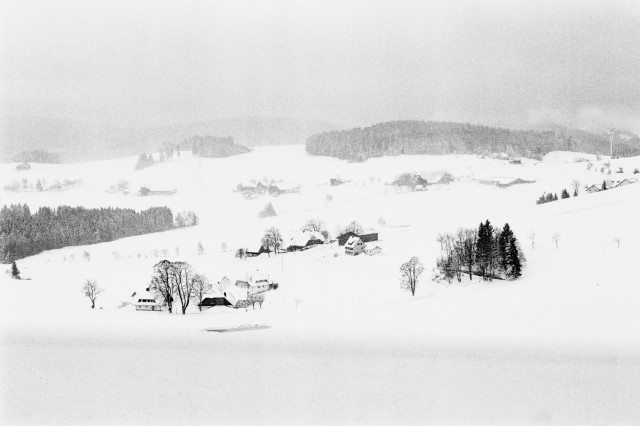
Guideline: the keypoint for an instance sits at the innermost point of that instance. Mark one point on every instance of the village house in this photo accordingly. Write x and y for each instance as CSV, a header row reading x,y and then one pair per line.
x,y
594,188
146,301
256,282
354,246
257,251
627,181
303,240
225,293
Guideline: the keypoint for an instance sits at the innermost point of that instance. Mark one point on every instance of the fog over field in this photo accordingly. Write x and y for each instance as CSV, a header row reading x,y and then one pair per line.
x,y
294,212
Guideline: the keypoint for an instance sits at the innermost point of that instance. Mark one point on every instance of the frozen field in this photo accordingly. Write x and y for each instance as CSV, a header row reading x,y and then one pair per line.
x,y
345,345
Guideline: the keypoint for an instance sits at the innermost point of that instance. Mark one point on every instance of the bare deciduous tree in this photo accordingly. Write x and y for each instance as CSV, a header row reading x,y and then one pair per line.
x,y
241,253
86,255
200,248
256,298
617,241
314,225
272,239
183,275
162,283
352,227
555,238
410,274
91,290
575,184
201,286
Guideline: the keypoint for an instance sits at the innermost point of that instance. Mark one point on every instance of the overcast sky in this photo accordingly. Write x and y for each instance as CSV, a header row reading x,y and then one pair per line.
x,y
351,63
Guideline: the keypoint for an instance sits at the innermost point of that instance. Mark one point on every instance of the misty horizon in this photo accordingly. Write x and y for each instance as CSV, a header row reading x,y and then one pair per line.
x,y
352,65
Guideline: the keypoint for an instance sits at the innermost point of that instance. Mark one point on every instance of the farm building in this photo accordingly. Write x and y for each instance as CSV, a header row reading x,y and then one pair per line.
x,y
368,235
354,246
372,249
627,181
302,240
594,188
146,301
253,252
365,235
255,282
225,294
342,239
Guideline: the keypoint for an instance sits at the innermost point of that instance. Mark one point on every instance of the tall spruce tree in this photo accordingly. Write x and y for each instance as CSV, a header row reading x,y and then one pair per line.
x,y
503,247
515,261
15,272
484,250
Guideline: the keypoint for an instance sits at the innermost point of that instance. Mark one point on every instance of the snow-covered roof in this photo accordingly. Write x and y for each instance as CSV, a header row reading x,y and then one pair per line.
x,y
352,241
301,238
368,231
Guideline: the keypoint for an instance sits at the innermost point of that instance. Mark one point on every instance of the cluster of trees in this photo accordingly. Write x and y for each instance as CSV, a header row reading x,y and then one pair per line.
x,y
144,160
186,218
267,211
24,234
546,198
178,280
420,137
37,156
487,252
168,150
212,146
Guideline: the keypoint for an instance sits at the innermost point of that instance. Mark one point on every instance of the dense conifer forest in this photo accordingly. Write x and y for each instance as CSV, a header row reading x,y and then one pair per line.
x,y
421,137
211,146
23,233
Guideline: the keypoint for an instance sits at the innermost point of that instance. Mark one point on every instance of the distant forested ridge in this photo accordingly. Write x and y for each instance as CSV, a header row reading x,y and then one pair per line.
x,y
37,156
24,234
212,146
429,137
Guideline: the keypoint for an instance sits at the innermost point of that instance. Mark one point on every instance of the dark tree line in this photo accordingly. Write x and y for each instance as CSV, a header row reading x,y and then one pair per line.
x,y
420,137
24,234
487,252
37,156
212,146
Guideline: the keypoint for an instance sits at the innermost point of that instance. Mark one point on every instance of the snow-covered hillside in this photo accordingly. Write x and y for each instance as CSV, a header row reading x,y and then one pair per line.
x,y
337,322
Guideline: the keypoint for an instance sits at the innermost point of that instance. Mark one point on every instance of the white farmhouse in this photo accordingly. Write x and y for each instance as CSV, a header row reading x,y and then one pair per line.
x,y
354,246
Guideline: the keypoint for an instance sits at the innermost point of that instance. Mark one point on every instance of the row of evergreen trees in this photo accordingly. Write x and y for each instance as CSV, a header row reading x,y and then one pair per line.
x,y
24,234
420,137
546,198
487,252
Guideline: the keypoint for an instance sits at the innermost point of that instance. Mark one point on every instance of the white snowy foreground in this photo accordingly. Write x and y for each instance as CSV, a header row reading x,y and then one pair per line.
x,y
560,345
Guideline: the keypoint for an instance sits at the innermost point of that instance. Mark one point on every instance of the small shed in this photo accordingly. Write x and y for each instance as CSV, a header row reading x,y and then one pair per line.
x,y
372,249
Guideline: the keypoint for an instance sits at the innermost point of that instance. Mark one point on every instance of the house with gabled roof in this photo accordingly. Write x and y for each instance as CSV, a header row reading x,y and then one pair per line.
x,y
372,249
302,240
146,301
354,246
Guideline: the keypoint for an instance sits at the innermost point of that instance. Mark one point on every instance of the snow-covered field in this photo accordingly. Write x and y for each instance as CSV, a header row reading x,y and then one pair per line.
x,y
346,344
